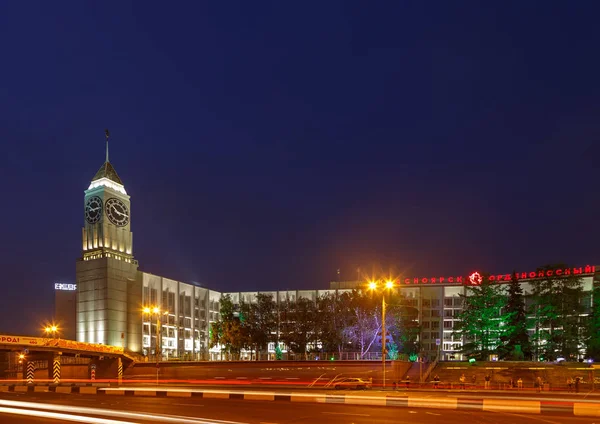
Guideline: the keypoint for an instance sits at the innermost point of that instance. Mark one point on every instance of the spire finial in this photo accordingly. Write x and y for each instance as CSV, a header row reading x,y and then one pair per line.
x,y
107,134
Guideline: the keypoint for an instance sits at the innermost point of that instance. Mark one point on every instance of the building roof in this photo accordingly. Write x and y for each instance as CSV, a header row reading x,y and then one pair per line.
x,y
107,171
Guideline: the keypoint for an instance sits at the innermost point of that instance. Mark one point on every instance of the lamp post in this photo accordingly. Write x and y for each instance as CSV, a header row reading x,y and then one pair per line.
x,y
156,311
373,286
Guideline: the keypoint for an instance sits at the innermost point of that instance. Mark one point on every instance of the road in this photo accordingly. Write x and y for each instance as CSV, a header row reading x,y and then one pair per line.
x,y
264,372
120,410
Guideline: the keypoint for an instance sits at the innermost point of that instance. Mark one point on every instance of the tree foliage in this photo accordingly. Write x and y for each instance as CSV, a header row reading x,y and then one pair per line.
x,y
555,311
481,319
298,325
515,331
593,326
334,315
260,322
365,324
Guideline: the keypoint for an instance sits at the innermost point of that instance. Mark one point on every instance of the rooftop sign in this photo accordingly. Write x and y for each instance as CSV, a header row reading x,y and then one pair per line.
x,y
65,287
476,278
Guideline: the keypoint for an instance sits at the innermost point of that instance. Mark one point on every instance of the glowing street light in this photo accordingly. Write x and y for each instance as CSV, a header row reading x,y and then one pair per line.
x,y
51,329
389,284
156,311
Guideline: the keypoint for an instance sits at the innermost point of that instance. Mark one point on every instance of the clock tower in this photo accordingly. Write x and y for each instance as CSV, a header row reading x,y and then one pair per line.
x,y
106,273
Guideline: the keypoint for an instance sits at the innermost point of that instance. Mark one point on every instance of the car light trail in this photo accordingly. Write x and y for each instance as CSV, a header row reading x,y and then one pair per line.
x,y
60,416
42,408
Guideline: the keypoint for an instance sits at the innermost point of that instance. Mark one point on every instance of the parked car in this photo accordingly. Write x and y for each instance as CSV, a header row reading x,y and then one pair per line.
x,y
352,383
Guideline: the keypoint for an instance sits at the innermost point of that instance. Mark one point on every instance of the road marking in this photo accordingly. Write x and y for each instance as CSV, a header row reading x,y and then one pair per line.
x,y
431,413
187,404
345,413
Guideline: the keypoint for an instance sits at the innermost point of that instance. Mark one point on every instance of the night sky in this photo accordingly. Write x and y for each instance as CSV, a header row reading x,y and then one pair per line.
x,y
264,146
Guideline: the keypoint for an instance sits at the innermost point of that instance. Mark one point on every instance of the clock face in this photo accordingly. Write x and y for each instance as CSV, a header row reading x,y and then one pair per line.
x,y
117,212
93,209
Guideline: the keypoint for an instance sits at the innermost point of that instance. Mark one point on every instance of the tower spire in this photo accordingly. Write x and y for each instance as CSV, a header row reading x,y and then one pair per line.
x,y
107,134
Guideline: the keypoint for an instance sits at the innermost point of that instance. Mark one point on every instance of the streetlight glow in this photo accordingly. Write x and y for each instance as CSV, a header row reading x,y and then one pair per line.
x,y
146,310
389,284
372,285
156,310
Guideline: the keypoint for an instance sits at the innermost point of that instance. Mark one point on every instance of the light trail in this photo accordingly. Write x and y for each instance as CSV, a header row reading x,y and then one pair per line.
x,y
43,408
60,416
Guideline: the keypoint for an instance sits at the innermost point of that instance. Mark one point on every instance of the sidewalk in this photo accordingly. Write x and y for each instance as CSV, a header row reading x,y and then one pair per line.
x,y
455,401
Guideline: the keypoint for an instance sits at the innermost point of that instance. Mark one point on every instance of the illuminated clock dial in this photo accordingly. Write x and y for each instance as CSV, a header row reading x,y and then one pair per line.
x,y
93,209
117,212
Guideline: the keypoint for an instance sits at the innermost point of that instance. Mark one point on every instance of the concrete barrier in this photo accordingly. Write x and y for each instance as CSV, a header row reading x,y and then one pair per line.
x,y
525,406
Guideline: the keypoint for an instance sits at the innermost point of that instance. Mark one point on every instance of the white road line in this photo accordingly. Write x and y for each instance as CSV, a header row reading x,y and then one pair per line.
x,y
431,413
345,413
61,416
187,404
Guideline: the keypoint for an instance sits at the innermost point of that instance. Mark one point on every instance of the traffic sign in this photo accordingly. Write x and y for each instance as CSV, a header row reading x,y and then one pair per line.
x,y
437,342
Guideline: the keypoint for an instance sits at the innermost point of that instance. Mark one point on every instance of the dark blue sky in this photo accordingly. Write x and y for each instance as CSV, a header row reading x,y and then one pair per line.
x,y
266,145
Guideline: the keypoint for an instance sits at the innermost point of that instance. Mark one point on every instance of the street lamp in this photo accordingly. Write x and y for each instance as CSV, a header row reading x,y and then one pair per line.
x,y
156,311
388,285
51,329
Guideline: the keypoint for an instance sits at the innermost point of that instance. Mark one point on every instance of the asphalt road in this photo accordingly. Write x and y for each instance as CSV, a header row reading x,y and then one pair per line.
x,y
197,410
285,372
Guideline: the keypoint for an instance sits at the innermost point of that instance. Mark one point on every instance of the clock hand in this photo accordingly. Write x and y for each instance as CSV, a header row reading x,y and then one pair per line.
x,y
116,211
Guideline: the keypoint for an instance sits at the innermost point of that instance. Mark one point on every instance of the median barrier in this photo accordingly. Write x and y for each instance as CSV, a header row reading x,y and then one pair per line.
x,y
574,407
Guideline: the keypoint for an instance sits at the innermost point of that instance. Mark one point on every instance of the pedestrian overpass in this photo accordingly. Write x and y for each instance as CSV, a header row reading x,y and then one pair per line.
x,y
106,360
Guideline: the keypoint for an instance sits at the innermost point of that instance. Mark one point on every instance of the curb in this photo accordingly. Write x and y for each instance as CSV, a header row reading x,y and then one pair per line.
x,y
540,407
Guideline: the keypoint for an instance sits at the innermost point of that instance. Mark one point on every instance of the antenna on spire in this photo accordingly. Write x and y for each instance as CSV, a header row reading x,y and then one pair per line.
x,y
107,134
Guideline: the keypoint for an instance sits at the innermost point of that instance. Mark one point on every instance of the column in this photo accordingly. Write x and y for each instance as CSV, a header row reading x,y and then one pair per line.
x,y
29,371
56,368
120,370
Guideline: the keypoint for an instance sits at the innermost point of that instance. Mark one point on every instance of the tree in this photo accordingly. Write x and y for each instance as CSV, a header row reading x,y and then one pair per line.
x,y
366,321
515,325
403,324
556,314
261,322
297,330
593,327
215,334
228,331
481,319
334,315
